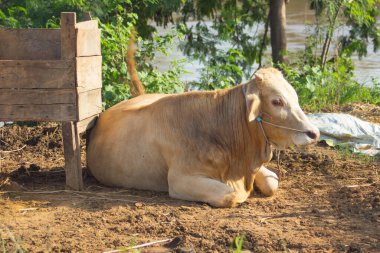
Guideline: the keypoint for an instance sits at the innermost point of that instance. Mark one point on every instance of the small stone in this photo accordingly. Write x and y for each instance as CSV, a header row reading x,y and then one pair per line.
x,y
185,208
139,204
185,250
8,185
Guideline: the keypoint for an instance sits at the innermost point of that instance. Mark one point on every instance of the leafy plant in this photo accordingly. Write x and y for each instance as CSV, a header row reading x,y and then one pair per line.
x,y
321,81
14,17
319,88
221,72
359,17
115,37
114,40
225,38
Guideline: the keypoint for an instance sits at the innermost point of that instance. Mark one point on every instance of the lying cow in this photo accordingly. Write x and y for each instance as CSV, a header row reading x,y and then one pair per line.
x,y
201,146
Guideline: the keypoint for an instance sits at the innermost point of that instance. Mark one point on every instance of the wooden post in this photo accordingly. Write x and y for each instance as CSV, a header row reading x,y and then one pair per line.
x,y
71,146
87,16
68,40
71,139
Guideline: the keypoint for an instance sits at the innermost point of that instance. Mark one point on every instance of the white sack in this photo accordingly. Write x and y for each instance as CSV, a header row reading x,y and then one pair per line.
x,y
338,128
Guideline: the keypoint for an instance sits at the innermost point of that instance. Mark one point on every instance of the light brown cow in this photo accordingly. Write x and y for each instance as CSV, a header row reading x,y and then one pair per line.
x,y
200,146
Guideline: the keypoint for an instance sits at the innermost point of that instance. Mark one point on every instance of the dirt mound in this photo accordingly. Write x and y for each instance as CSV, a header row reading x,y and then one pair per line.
x,y
328,201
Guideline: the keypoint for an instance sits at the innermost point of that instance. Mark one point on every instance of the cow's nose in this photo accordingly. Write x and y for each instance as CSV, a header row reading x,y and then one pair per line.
x,y
312,135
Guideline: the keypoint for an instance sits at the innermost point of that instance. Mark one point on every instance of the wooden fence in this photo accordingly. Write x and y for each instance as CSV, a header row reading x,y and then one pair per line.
x,y
54,75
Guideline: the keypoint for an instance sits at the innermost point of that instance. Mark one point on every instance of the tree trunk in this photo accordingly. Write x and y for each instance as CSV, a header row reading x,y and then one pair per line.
x,y
277,13
264,40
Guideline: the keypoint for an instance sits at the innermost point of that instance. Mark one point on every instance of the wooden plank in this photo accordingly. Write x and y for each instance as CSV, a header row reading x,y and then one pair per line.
x,y
87,124
88,42
30,44
71,146
71,141
89,73
89,103
90,24
57,112
68,37
37,96
37,74
87,16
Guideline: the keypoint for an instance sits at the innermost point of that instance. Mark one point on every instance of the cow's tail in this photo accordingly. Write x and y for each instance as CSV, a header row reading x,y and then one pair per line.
x,y
137,88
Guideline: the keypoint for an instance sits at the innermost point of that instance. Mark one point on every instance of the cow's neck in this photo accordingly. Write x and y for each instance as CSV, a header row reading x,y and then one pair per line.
x,y
248,148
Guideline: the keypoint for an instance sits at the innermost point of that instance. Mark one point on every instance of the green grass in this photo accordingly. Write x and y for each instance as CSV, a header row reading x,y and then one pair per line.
x,y
237,244
4,246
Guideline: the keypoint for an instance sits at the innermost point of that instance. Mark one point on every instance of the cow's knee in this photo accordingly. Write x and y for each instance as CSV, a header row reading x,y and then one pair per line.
x,y
197,188
266,181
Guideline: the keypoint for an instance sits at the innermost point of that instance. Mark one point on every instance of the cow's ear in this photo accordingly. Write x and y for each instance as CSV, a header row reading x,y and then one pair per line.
x,y
252,100
259,77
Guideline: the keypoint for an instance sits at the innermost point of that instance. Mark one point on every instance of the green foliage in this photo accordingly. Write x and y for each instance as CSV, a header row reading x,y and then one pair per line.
x,y
359,17
14,17
319,88
322,82
225,39
115,37
221,72
114,41
237,243
164,82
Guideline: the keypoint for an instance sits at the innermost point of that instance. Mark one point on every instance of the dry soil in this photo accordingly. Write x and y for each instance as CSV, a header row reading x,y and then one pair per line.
x,y
328,201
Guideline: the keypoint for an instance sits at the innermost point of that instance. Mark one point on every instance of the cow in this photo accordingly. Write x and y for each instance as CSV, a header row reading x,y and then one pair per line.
x,y
207,146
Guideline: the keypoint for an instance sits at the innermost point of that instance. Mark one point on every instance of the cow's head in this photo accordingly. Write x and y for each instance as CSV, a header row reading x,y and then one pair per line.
x,y
271,98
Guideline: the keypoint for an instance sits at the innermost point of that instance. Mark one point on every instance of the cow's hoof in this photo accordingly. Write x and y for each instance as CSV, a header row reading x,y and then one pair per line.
x,y
267,182
230,200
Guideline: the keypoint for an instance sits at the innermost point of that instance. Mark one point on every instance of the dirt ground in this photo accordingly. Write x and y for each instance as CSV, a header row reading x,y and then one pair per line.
x,y
328,201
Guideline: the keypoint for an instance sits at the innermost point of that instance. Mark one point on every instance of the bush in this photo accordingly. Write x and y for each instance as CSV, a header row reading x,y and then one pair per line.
x,y
115,37
334,84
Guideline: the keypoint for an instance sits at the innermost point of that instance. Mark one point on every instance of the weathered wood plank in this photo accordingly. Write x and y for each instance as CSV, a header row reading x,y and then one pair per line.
x,y
71,141
68,36
88,42
71,146
89,73
58,112
89,103
37,74
87,16
87,124
30,44
90,24
37,96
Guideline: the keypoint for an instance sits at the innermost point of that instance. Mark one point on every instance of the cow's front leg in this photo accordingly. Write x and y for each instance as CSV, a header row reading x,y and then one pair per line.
x,y
200,188
266,181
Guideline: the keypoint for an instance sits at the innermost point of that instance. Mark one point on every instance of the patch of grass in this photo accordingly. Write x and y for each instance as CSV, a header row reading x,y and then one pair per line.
x,y
4,246
237,244
283,245
346,152
366,159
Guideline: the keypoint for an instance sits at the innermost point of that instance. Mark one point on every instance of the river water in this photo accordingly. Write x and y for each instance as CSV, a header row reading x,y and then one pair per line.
x,y
298,16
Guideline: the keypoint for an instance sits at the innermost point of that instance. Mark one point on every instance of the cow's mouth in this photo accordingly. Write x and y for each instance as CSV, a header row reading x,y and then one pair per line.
x,y
303,139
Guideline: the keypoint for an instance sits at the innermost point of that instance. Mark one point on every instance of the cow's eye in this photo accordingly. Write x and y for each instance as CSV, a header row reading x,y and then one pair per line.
x,y
277,102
